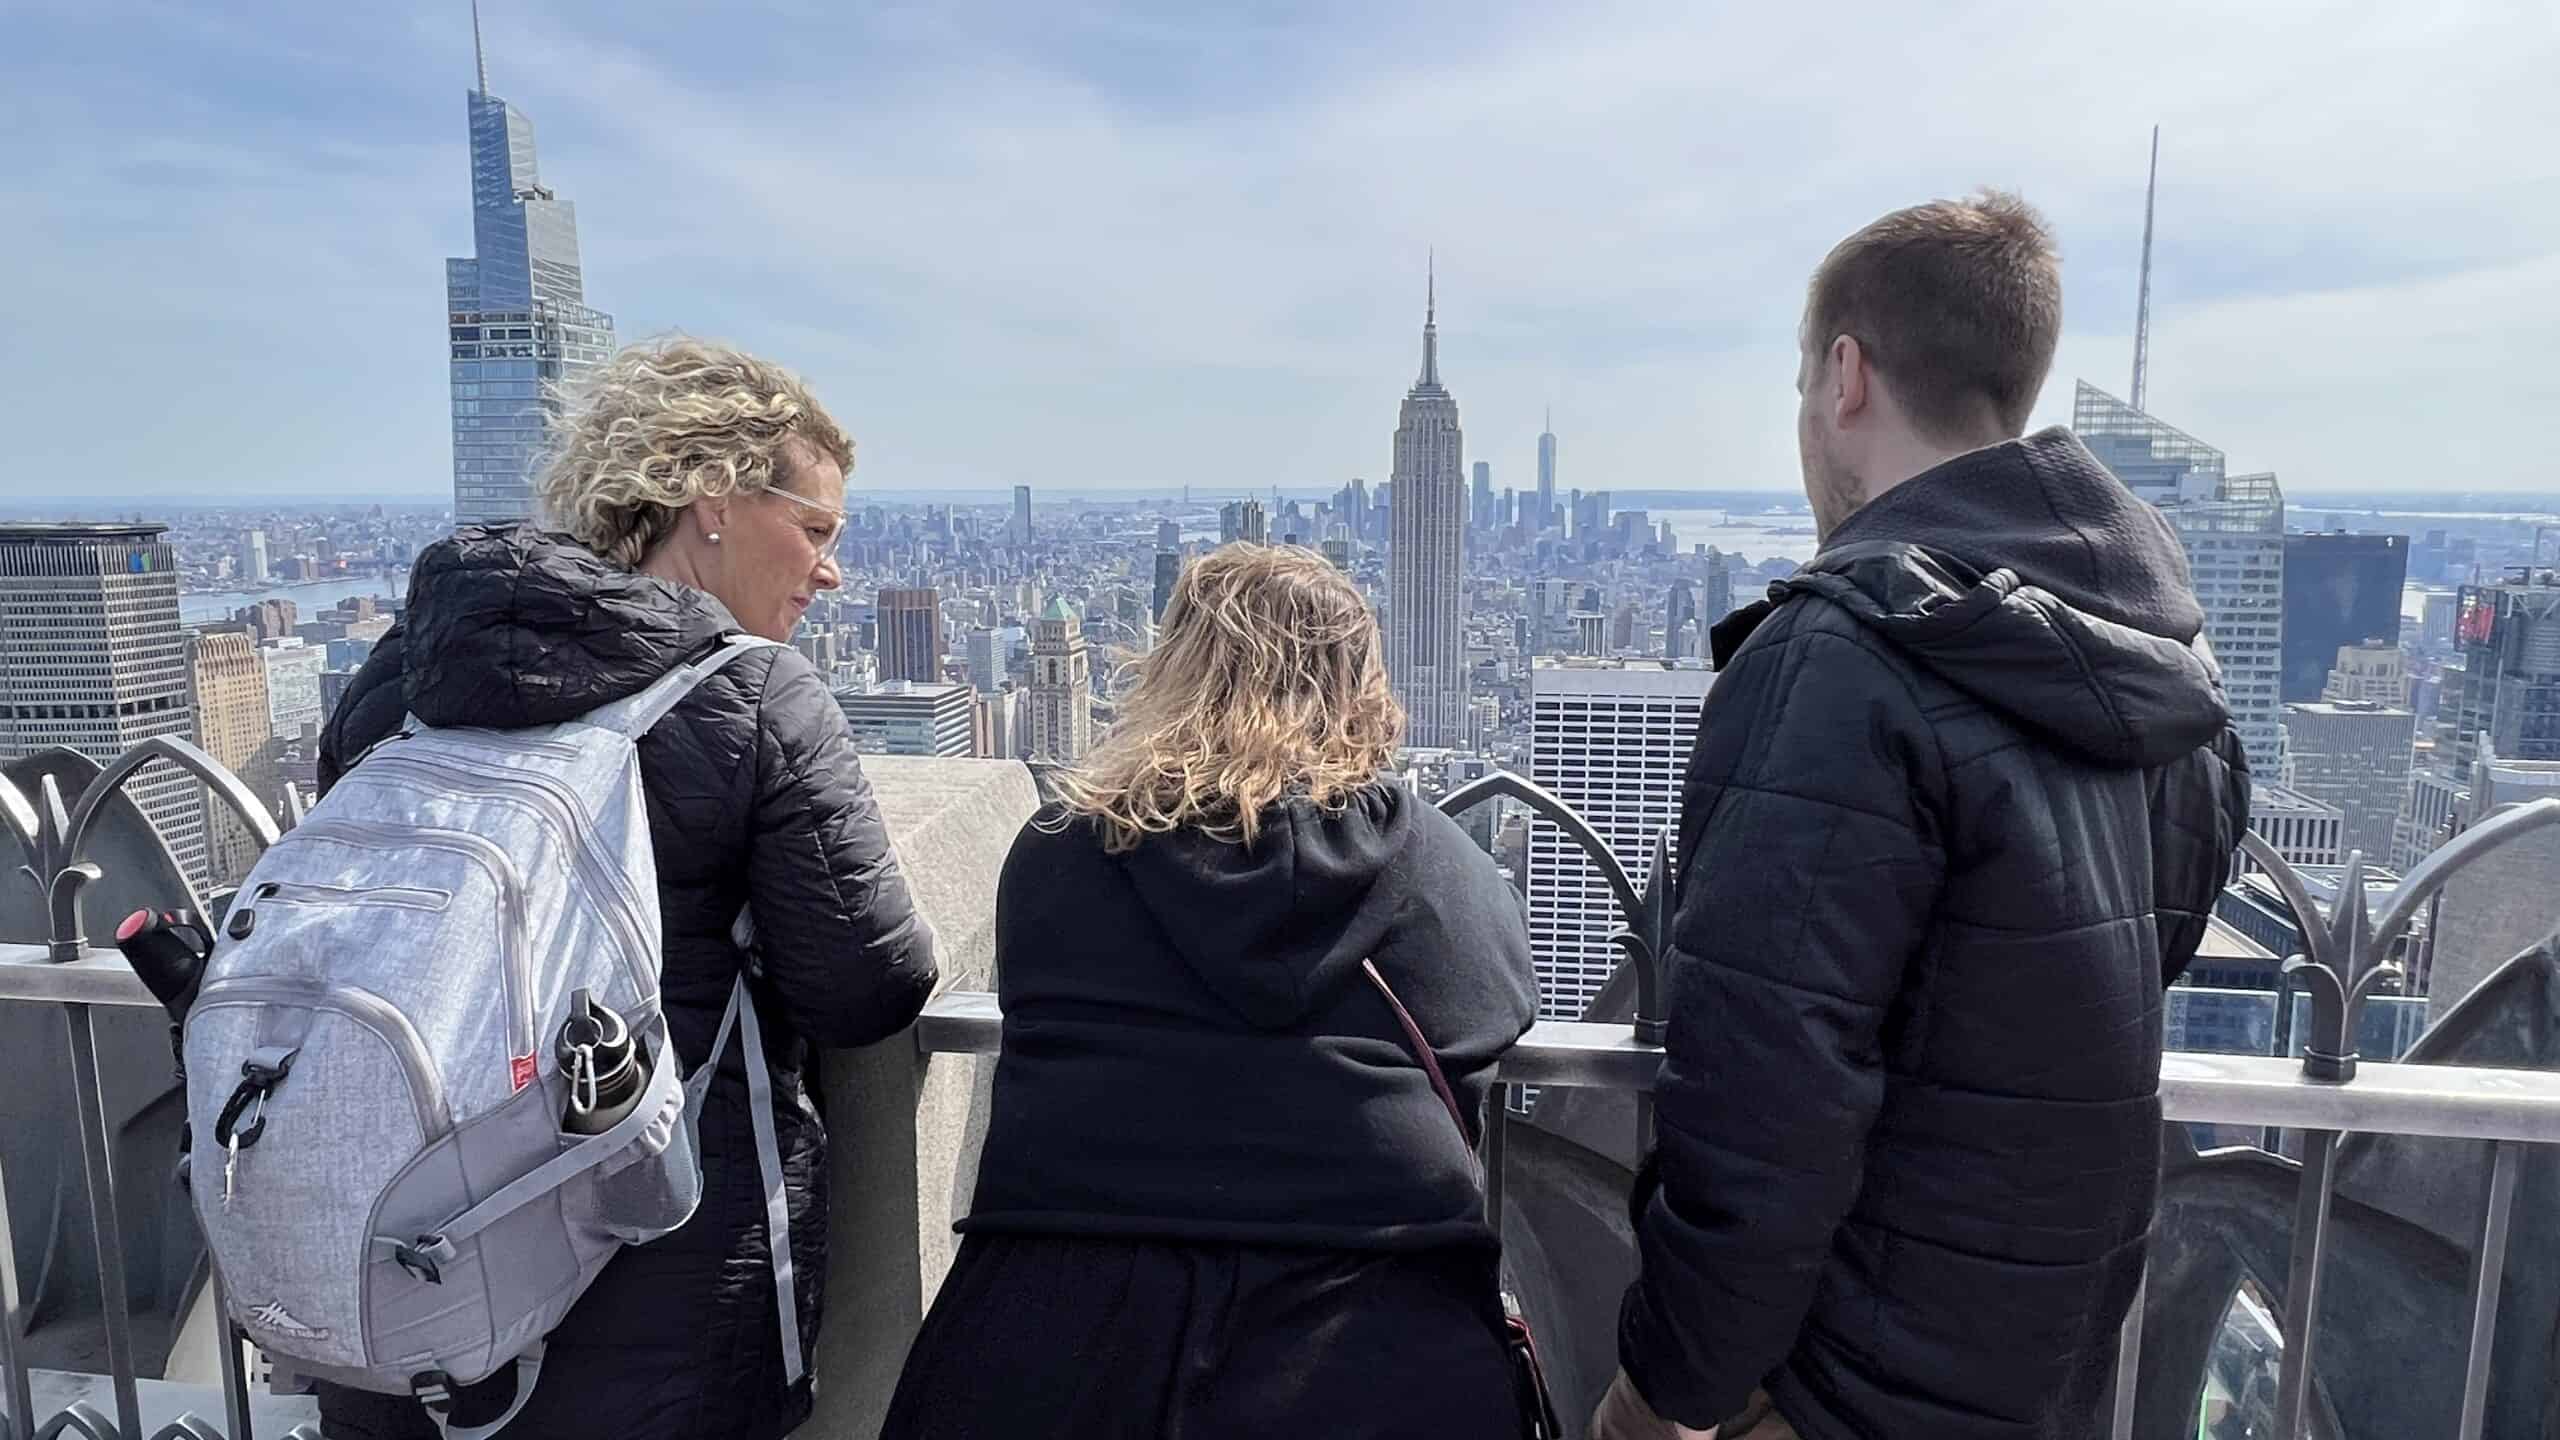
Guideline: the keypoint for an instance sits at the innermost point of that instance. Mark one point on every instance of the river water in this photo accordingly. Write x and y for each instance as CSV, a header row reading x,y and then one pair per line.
x,y
310,598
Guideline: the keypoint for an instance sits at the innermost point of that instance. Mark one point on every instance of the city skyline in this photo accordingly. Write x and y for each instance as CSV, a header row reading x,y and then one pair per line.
x,y
1666,341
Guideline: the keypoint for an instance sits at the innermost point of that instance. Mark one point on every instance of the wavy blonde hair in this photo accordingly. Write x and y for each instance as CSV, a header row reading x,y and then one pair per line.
x,y
669,422
1268,683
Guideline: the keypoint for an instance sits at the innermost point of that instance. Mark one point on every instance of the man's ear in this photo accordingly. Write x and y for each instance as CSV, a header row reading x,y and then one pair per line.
x,y
1851,379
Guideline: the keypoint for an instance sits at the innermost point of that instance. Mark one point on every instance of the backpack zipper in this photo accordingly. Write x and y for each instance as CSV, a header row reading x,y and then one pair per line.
x,y
561,805
369,1012
374,835
403,897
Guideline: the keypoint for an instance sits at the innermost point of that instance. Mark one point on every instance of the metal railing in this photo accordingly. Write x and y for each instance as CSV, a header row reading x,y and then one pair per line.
x,y
2325,1096
55,836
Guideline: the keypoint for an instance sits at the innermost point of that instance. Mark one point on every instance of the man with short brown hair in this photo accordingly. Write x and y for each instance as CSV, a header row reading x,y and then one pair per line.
x,y
1962,797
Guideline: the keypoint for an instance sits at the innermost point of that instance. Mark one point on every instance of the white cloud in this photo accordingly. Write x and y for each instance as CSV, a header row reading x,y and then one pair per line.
x,y
1005,262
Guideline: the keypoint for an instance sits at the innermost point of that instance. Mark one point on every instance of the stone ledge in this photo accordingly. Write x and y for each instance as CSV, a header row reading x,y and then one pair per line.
x,y
904,1128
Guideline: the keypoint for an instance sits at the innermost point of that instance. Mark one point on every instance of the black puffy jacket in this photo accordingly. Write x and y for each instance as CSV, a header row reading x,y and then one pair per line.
x,y
1963,794
755,799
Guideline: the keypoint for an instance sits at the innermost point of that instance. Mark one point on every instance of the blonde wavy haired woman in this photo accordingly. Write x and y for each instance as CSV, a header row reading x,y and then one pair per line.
x,y
697,492
1218,1194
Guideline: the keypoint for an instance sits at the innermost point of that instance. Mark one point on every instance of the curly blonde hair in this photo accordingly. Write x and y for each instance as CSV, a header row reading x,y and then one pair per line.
x,y
669,422
1269,683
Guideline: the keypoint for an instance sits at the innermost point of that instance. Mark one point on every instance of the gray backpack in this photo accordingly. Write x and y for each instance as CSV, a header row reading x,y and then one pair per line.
x,y
394,1196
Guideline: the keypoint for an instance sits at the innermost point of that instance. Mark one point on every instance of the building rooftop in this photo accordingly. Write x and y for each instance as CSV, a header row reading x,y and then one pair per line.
x,y
2271,799
917,689
24,532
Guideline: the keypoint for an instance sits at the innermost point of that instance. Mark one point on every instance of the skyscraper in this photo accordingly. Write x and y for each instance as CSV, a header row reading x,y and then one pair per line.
x,y
996,729
910,634
903,717
293,669
2354,755
1609,738
1546,476
517,317
2509,639
1168,570
2232,527
253,558
91,658
1426,554
2499,905
2339,590
2379,673
2303,830
1480,510
227,686
986,659
1021,530
1719,601
1061,722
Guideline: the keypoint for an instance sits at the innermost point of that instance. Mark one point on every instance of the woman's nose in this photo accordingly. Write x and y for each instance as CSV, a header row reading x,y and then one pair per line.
x,y
830,575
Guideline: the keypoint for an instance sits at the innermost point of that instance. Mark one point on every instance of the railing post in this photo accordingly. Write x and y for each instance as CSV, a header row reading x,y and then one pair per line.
x,y
97,1158
1497,1127
2302,1284
17,1394
2488,1272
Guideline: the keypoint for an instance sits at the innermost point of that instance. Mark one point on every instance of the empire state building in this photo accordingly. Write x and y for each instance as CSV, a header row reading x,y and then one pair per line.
x,y
1426,538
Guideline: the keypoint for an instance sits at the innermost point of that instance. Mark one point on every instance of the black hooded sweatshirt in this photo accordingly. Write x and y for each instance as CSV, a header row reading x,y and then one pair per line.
x,y
1963,793
1191,1051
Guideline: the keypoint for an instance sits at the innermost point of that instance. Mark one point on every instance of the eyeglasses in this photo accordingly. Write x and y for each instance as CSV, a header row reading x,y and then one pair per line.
x,y
837,516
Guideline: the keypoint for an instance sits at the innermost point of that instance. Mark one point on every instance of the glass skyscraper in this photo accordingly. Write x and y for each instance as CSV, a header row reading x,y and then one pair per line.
x,y
2340,590
517,315
2232,527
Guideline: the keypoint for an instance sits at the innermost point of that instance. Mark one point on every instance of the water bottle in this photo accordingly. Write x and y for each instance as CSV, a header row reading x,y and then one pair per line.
x,y
604,1064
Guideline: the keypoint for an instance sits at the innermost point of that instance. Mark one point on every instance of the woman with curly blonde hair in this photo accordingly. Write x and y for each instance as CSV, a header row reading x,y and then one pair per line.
x,y
697,493
1219,1193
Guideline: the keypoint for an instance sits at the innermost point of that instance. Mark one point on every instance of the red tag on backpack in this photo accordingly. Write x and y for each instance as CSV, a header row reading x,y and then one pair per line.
x,y
521,1070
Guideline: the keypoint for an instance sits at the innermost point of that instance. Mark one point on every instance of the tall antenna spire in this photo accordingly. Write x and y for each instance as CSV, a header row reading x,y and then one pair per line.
x,y
1431,321
478,59
2142,311
1551,419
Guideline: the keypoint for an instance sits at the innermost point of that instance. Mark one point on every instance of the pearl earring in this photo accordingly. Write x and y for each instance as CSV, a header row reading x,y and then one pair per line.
x,y
713,537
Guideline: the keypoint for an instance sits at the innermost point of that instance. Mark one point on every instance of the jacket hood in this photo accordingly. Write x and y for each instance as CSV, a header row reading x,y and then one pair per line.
x,y
2028,576
1267,927
509,627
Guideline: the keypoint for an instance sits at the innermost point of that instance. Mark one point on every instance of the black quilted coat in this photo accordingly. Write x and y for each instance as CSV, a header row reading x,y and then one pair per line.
x,y
1963,794
755,798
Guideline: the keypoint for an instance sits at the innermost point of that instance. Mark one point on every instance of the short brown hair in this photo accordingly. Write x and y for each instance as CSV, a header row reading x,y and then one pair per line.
x,y
1958,303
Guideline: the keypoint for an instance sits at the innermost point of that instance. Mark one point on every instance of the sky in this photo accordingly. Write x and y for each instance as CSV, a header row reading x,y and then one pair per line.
x,y
1086,244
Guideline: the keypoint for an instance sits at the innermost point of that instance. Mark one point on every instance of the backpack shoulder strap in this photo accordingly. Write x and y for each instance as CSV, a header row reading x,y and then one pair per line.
x,y
633,715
